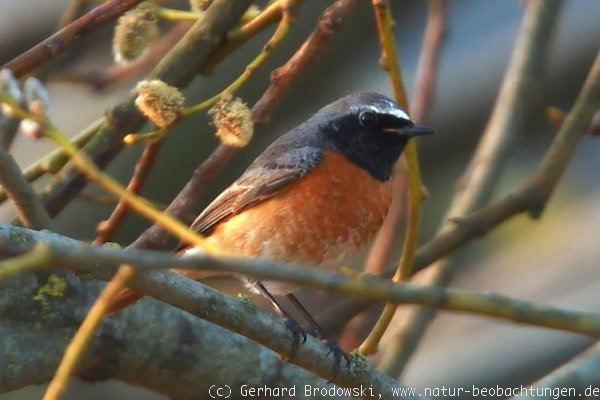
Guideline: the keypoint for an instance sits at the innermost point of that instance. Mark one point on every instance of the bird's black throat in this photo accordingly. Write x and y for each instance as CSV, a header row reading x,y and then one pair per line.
x,y
375,152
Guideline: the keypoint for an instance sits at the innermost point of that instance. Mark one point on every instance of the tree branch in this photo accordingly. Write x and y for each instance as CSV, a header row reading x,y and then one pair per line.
x,y
283,77
28,205
533,195
580,373
414,184
60,41
181,357
72,254
107,228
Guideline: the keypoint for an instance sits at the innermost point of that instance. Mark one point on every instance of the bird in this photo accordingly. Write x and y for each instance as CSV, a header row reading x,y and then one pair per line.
x,y
316,196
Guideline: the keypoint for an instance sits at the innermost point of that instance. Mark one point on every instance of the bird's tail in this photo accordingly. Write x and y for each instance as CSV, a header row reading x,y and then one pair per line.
x,y
123,300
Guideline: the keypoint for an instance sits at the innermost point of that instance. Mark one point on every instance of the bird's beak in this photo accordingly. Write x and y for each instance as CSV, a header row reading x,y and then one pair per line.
x,y
412,130
417,130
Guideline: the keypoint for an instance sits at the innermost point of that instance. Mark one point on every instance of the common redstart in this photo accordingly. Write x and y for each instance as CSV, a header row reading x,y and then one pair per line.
x,y
316,196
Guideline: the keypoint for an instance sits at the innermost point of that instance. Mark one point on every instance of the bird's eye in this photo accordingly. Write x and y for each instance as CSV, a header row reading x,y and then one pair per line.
x,y
368,119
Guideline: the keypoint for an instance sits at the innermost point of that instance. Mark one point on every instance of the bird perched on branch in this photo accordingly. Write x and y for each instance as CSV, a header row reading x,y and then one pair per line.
x,y
316,196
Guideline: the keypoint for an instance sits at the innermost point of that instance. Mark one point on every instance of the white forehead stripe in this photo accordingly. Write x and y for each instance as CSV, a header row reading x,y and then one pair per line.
x,y
399,113
391,109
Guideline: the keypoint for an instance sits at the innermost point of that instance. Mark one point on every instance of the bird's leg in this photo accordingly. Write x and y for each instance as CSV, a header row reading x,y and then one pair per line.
x,y
298,334
332,345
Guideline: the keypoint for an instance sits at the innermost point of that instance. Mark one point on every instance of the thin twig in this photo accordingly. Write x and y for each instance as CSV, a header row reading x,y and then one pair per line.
x,y
416,196
427,73
38,257
281,79
28,205
60,41
85,333
156,237
429,61
425,82
107,228
54,161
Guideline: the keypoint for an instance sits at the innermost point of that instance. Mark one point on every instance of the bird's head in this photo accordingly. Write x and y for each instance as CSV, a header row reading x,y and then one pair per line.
x,y
370,129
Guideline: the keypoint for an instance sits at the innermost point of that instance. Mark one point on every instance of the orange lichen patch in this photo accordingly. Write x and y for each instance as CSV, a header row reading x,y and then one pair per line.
x,y
323,219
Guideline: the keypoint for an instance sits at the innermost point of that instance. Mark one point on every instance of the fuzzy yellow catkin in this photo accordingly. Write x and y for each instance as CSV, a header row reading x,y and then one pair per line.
x,y
233,120
159,102
135,30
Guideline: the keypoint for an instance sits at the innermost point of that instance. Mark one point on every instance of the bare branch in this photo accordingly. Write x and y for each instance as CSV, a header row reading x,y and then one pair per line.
x,y
107,228
29,207
531,197
282,78
477,185
69,253
60,41
181,357
579,374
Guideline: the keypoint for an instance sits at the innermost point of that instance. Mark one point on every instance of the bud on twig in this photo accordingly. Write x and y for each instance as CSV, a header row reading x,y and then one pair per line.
x,y
134,31
233,120
30,128
37,97
10,86
159,102
595,129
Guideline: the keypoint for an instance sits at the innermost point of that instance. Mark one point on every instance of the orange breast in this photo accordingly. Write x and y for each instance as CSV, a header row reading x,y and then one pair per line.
x,y
322,219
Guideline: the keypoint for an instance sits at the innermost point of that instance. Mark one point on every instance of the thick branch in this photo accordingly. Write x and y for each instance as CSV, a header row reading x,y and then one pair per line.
x,y
79,256
28,205
181,357
203,302
579,374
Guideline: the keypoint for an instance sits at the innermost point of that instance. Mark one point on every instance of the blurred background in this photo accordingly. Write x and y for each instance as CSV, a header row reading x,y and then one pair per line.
x,y
553,260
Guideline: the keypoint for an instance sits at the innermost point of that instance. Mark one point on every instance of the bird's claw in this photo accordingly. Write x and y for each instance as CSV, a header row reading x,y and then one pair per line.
x,y
298,334
338,355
